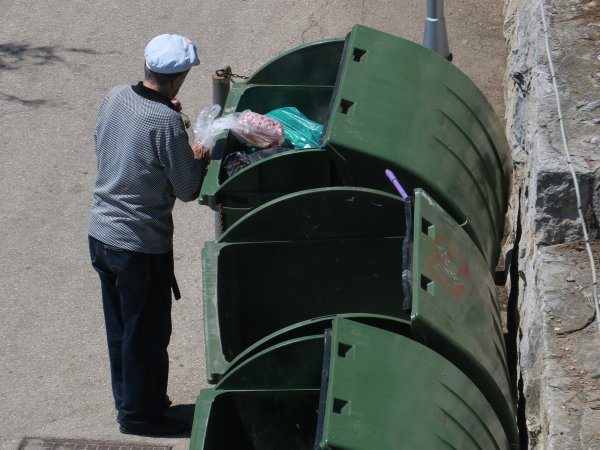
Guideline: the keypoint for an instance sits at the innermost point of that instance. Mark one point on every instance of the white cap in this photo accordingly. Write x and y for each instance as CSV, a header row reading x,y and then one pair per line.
x,y
171,53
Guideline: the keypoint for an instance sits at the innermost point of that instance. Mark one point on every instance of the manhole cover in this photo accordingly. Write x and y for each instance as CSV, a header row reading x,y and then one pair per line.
x,y
30,443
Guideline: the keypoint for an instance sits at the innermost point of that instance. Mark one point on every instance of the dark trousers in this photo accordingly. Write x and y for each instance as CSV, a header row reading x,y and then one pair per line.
x,y
136,297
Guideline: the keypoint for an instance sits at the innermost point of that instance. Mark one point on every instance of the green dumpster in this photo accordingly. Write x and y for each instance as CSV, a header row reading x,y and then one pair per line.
x,y
392,104
303,77
354,386
305,255
340,251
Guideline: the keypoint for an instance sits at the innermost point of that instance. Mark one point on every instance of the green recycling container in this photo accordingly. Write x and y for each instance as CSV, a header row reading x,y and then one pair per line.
x,y
353,386
386,103
301,256
303,77
341,250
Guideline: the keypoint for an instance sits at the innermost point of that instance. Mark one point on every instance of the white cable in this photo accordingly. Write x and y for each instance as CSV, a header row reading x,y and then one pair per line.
x,y
575,182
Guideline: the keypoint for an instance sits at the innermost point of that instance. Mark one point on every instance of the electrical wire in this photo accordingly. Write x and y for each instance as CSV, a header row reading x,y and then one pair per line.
x,y
573,174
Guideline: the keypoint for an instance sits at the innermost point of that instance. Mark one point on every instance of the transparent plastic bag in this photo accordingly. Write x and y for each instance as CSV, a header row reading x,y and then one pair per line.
x,y
250,128
206,127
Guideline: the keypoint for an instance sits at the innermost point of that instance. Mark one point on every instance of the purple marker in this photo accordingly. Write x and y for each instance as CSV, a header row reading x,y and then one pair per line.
x,y
396,183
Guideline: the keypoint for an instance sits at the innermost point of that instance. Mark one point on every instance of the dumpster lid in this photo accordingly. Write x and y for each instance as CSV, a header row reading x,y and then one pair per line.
x,y
388,96
387,391
399,106
454,309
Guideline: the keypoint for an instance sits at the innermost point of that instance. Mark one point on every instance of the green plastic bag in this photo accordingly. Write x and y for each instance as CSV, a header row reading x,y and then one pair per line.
x,y
300,131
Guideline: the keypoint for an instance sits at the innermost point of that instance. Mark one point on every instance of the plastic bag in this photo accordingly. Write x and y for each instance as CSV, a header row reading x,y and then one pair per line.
x,y
255,130
206,129
250,128
239,160
300,131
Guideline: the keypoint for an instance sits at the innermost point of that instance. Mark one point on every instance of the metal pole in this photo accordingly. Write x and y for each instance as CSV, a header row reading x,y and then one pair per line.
x,y
435,36
221,82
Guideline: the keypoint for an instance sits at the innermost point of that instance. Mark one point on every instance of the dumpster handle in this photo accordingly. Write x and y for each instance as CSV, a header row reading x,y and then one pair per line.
x,y
396,183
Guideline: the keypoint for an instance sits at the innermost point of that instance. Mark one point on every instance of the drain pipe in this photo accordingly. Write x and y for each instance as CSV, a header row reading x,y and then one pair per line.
x,y
435,36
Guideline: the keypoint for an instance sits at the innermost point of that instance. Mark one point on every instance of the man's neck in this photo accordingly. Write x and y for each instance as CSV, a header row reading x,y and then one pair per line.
x,y
165,91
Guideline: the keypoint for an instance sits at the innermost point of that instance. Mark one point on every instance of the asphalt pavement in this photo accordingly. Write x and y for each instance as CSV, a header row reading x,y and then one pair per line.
x,y
57,61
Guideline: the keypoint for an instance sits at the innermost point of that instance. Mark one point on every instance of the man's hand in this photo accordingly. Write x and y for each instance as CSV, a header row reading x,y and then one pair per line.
x,y
176,104
201,152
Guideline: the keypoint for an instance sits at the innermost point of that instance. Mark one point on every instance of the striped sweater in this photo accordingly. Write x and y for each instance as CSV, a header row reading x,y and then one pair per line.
x,y
144,162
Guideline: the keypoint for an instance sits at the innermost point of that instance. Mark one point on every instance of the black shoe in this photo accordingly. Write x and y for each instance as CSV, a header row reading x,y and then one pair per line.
x,y
162,426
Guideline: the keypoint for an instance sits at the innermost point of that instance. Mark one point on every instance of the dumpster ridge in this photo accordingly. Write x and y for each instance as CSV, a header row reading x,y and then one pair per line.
x,y
459,399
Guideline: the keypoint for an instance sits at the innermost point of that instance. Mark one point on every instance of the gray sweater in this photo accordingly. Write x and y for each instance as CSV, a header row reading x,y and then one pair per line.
x,y
144,163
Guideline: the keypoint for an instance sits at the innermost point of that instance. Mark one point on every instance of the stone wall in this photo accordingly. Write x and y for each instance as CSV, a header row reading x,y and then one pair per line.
x,y
552,315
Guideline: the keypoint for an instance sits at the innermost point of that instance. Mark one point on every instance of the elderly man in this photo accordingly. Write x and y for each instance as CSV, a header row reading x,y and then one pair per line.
x,y
144,163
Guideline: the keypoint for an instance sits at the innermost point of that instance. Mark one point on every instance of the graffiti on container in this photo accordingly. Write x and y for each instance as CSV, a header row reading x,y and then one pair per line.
x,y
448,267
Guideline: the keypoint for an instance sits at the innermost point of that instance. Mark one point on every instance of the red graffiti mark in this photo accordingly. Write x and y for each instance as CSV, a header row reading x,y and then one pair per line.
x,y
448,268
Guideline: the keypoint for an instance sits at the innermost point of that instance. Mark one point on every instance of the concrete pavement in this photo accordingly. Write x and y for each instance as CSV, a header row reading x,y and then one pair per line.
x,y
57,61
